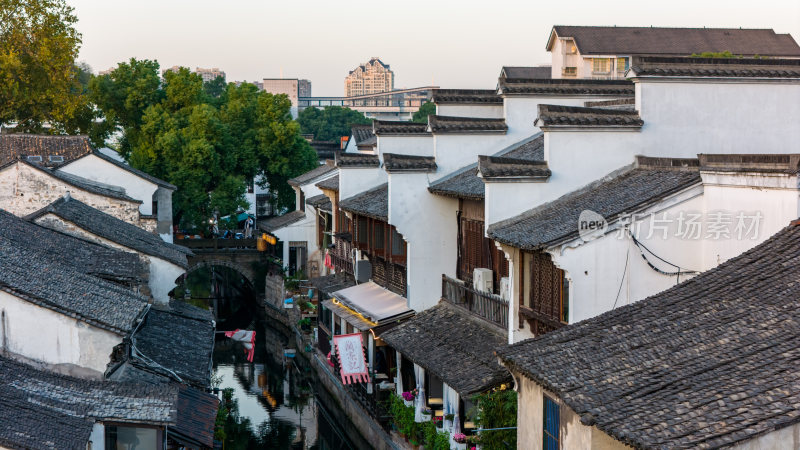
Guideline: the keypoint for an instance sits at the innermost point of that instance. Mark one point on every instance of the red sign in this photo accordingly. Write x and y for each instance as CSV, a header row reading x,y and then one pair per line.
x,y
350,350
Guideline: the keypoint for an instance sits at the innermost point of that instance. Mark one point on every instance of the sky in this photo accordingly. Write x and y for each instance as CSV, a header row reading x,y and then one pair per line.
x,y
451,44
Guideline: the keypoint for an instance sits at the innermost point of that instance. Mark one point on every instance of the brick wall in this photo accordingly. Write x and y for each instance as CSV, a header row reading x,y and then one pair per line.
x,y
25,190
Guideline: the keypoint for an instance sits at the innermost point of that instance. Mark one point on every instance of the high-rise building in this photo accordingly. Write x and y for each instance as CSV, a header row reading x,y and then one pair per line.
x,y
210,74
206,74
292,87
372,77
304,88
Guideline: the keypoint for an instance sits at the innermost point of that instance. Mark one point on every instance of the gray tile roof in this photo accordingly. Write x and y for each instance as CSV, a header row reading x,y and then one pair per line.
x,y
454,346
363,134
320,202
177,340
408,163
80,255
465,183
357,160
624,191
326,149
373,203
135,171
565,86
706,364
116,230
575,116
331,183
44,281
715,67
43,410
526,72
465,96
503,167
197,413
678,41
449,124
276,223
396,127
312,174
16,146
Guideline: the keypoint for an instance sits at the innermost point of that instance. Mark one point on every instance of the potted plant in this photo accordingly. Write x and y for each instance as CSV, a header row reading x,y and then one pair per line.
x,y
449,417
438,422
304,324
460,438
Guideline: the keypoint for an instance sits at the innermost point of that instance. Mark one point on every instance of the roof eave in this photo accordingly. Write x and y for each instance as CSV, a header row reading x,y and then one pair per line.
x,y
516,179
470,131
588,127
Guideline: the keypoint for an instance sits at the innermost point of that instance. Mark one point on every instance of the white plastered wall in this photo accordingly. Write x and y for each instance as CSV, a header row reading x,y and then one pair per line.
x,y
356,180
428,223
488,111
405,145
93,168
48,336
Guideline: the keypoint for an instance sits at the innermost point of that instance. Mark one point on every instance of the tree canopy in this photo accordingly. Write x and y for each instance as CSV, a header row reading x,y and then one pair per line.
x,y
39,81
208,146
330,123
421,116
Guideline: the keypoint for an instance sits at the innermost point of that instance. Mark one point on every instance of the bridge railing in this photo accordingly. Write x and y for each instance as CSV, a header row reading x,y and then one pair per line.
x,y
217,244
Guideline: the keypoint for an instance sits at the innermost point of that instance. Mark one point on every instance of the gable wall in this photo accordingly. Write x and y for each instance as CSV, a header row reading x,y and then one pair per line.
x,y
93,168
25,190
48,336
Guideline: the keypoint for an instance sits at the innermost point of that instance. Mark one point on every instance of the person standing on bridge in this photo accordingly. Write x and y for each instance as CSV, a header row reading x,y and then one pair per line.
x,y
248,227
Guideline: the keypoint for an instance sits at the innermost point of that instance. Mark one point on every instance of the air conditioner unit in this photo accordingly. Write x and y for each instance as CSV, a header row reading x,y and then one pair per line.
x,y
505,288
362,270
482,280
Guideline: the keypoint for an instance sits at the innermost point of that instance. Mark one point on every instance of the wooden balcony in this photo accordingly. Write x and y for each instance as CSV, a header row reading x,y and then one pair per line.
x,y
538,322
487,306
341,256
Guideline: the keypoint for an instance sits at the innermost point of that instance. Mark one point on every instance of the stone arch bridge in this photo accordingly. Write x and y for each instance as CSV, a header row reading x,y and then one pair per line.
x,y
240,255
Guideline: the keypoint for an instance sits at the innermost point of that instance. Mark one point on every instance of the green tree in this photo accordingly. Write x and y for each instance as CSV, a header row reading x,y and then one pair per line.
x,y
421,116
122,97
38,77
214,88
209,147
329,123
83,119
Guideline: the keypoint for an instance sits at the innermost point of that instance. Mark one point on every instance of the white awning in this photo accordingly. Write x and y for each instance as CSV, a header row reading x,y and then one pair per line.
x,y
374,303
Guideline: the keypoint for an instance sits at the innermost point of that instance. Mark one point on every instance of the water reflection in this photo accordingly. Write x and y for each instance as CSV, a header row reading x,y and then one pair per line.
x,y
271,401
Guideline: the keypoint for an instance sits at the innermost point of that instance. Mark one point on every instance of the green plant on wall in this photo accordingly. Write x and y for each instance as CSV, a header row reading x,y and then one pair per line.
x,y
496,409
418,433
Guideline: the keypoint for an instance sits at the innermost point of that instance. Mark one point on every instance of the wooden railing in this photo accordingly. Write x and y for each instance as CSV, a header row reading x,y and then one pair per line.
x,y
538,322
341,257
483,304
375,402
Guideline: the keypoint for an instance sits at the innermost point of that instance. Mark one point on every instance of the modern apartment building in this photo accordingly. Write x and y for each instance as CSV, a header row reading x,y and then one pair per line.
x,y
372,77
206,74
292,87
210,74
605,52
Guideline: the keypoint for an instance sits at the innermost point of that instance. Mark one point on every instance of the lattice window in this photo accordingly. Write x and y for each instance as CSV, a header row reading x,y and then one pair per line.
x,y
548,290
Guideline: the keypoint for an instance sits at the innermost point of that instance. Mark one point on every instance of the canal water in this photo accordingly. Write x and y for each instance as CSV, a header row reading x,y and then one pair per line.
x,y
271,400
